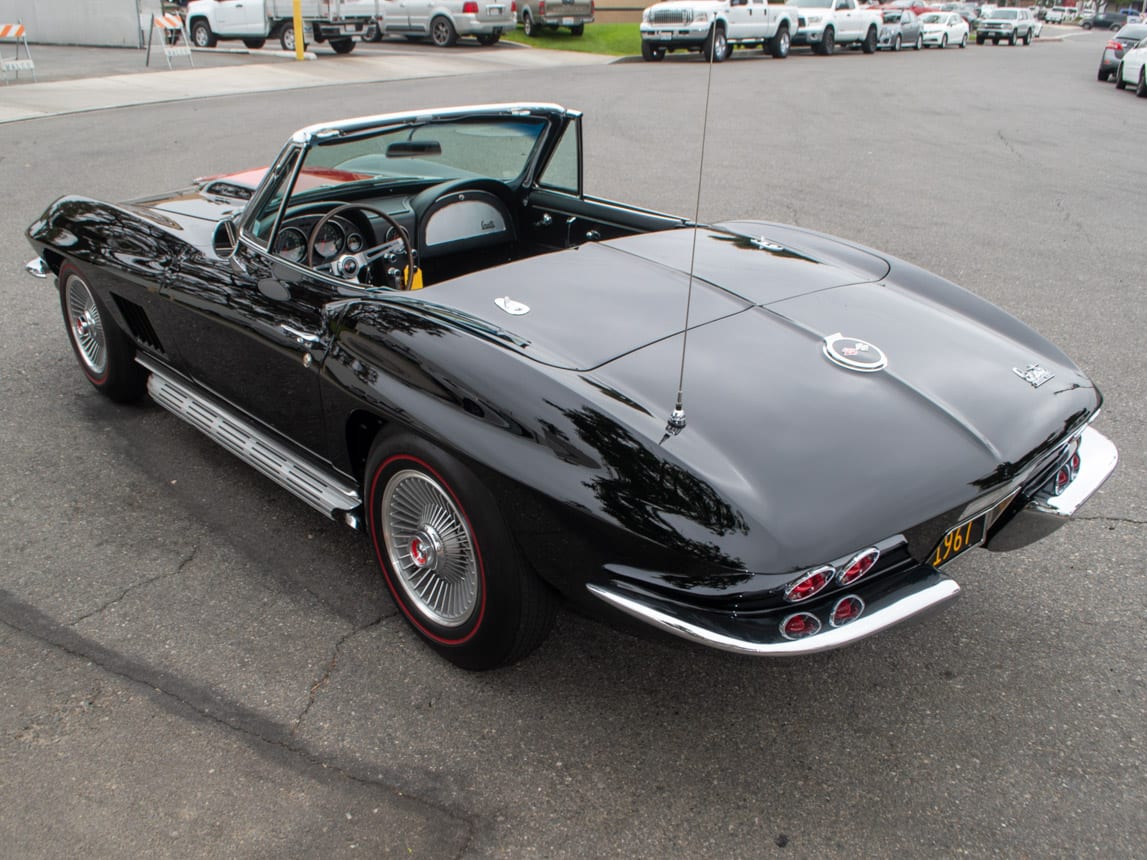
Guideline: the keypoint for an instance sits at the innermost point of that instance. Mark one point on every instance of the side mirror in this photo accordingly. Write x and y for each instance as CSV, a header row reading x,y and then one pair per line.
x,y
225,239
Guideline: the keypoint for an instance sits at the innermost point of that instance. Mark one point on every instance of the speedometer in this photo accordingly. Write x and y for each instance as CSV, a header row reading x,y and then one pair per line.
x,y
291,244
329,241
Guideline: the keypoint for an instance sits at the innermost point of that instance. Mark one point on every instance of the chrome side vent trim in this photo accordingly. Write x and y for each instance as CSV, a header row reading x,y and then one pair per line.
x,y
318,488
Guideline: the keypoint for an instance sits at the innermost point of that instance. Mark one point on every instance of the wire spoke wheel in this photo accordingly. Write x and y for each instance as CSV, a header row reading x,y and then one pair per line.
x,y
86,326
430,548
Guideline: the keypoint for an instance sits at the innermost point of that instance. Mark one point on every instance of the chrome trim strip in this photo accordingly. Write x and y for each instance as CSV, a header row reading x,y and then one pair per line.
x,y
318,488
37,268
835,637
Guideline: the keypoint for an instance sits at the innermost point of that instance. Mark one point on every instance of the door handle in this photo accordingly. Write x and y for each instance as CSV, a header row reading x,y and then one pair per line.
x,y
300,336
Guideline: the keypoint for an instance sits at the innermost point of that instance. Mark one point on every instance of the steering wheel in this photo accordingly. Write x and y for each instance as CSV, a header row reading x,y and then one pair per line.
x,y
351,266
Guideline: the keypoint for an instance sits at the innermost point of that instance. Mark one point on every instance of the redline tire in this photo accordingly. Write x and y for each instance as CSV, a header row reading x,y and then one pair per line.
x,y
450,563
105,354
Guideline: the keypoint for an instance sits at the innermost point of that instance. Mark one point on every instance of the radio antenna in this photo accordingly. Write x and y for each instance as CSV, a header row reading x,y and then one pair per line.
x,y
676,421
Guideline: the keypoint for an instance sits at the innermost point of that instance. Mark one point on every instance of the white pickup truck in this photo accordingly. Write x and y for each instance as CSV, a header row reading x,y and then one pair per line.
x,y
713,27
254,21
824,24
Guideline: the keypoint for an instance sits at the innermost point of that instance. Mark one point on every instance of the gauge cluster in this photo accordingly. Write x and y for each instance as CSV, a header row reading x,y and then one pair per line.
x,y
337,236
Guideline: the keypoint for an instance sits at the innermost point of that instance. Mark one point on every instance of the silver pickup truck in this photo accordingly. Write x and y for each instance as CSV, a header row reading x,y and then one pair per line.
x,y
714,27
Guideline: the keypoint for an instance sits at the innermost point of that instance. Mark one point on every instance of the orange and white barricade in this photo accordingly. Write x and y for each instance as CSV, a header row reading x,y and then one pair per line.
x,y
173,35
15,33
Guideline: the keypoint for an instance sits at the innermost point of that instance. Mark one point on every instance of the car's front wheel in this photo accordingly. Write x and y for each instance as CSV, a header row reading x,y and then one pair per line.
x,y
944,41
1103,75
919,42
869,43
1141,88
442,32
448,558
964,41
827,43
106,355
1120,84
529,26
652,53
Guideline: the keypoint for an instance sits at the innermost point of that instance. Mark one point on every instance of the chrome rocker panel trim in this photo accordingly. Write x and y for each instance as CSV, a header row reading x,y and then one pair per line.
x,y
318,488
762,638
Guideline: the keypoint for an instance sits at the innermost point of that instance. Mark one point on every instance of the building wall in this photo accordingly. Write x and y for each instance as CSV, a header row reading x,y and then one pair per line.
x,y
79,22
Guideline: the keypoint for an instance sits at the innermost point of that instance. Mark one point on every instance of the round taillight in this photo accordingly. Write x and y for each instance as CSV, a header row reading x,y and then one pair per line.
x,y
1073,464
847,609
808,584
1062,479
800,625
861,563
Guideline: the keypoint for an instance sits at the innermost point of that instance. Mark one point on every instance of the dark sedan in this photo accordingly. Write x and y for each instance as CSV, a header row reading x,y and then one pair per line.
x,y
1119,44
1105,21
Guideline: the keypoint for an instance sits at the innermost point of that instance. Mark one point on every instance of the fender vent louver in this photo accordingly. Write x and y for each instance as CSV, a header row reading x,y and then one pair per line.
x,y
138,323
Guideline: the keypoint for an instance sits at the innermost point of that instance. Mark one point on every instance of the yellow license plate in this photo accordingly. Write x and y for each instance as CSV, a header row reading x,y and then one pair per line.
x,y
960,539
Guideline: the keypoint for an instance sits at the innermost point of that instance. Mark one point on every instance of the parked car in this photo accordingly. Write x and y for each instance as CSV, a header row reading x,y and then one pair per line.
x,y
443,22
1133,68
1105,21
1012,25
536,14
423,326
714,27
824,24
1056,15
1117,45
900,27
943,29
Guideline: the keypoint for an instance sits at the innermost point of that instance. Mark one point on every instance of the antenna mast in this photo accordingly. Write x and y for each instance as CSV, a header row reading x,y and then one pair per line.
x,y
676,421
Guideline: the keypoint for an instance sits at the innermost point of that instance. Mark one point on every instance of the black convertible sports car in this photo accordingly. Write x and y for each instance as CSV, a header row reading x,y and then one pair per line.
x,y
420,324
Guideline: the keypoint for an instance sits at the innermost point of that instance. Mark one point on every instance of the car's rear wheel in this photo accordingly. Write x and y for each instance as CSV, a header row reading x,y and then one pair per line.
x,y
487,39
531,29
577,29
449,559
1141,88
287,38
1120,84
781,43
919,41
201,35
980,40
342,46
442,32
254,44
106,355
652,53
1103,75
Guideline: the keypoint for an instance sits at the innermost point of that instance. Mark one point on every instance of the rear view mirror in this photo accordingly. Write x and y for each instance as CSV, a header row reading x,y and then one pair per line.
x,y
413,148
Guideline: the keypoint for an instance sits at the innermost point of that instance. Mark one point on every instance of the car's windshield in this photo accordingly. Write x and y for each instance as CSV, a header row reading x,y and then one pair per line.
x,y
450,149
1005,13
814,4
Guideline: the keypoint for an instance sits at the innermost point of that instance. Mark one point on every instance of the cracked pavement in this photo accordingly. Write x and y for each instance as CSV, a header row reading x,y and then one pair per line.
x,y
195,664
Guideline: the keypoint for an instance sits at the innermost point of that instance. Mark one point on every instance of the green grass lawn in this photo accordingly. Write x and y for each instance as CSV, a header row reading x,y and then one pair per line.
x,y
620,40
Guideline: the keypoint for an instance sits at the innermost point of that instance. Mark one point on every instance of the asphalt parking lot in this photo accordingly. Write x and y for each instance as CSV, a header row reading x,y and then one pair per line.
x,y
196,664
